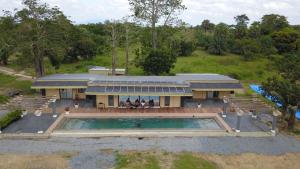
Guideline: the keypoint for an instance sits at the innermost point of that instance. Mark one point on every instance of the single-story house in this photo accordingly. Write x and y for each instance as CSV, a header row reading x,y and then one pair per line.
x,y
120,91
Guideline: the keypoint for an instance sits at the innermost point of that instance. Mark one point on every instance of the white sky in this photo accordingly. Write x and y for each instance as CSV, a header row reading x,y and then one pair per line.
x,y
92,11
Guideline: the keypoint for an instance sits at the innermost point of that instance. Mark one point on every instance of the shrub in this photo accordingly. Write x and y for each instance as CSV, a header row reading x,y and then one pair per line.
x,y
9,118
3,99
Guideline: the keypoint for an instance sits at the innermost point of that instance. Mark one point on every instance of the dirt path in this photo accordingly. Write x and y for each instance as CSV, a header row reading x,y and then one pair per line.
x,y
20,75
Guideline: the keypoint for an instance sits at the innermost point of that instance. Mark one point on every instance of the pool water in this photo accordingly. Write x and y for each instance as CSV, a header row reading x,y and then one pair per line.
x,y
139,123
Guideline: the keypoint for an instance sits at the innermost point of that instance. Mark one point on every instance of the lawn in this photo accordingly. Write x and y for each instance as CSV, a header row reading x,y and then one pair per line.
x,y
9,83
185,160
255,71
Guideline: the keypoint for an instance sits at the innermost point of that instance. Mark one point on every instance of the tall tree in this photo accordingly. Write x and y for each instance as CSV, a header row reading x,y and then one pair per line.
x,y
285,89
41,33
153,12
7,37
218,44
271,23
241,26
206,25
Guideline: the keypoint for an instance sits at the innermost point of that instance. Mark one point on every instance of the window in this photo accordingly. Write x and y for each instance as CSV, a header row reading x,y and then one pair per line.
x,y
110,101
81,90
167,101
231,92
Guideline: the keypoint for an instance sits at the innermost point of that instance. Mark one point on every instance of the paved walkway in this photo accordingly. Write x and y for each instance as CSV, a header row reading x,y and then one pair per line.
x,y
31,124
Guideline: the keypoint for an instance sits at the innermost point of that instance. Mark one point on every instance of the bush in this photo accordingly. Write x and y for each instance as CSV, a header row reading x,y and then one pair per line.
x,y
9,118
3,99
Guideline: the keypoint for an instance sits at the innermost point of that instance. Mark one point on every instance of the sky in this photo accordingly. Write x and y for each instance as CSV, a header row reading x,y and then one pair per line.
x,y
94,11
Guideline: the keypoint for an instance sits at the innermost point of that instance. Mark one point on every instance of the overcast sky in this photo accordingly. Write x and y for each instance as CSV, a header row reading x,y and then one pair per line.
x,y
92,11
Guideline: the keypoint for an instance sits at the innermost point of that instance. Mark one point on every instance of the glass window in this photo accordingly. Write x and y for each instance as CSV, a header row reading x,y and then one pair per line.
x,y
167,100
81,90
111,101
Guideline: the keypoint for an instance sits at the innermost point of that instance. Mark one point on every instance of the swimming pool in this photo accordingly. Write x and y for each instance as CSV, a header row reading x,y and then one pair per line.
x,y
138,123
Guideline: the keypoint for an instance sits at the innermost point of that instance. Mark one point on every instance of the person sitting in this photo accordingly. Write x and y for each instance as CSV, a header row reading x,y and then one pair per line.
x,y
137,103
128,103
143,103
151,103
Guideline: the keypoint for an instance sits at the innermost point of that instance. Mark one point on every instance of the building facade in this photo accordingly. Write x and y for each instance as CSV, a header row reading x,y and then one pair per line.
x,y
146,91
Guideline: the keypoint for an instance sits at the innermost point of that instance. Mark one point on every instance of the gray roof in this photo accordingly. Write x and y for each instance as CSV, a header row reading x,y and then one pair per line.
x,y
58,83
179,78
216,86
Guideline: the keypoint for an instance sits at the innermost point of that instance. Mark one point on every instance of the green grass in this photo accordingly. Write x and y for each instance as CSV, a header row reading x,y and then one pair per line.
x,y
3,99
11,83
137,161
157,160
200,61
9,118
189,161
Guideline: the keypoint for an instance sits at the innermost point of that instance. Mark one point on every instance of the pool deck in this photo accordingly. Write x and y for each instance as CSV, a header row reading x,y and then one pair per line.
x,y
224,131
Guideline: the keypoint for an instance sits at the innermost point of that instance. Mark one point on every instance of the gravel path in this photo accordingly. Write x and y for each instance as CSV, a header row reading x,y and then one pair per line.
x,y
220,145
92,154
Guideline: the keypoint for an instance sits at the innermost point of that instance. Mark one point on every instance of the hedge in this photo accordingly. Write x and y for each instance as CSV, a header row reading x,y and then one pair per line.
x,y
9,118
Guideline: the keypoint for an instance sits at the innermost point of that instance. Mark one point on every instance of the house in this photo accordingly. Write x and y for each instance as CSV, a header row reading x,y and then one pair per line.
x,y
155,91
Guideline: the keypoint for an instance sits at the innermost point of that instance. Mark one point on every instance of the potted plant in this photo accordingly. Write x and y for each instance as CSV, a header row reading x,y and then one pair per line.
x,y
67,110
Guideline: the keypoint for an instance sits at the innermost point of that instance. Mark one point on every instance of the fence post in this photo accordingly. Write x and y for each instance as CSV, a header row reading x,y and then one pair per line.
x,y
54,108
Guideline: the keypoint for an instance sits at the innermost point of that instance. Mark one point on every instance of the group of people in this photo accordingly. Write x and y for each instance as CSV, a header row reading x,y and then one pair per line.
x,y
137,103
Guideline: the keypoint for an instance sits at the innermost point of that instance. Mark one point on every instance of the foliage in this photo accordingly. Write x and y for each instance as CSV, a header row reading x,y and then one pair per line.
x,y
156,62
219,41
250,49
241,26
207,26
9,118
3,99
272,23
285,89
286,40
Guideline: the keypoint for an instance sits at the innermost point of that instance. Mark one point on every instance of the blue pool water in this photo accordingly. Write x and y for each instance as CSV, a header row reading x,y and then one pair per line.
x,y
139,123
258,89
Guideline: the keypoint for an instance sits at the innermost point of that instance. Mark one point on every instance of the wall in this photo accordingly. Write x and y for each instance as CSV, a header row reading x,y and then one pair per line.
x,y
199,95
175,101
224,93
80,95
52,92
104,99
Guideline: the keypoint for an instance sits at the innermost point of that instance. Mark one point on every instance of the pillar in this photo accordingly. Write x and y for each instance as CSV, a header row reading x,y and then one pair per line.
x,y
238,123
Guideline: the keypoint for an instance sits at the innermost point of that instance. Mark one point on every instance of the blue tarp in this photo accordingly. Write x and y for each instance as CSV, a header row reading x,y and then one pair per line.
x,y
258,89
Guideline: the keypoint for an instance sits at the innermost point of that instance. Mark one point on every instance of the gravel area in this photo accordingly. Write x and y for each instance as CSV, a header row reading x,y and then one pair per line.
x,y
30,124
221,145
91,154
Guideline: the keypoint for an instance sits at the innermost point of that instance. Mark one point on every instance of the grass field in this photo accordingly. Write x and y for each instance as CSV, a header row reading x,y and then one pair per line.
x,y
163,160
199,62
9,83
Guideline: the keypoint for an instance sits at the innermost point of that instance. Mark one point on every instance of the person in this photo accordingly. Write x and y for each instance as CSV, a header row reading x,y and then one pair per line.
x,y
128,102
151,103
137,103
199,106
143,103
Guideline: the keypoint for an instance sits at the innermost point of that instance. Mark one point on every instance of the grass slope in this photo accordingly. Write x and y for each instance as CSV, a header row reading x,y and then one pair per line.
x,y
10,83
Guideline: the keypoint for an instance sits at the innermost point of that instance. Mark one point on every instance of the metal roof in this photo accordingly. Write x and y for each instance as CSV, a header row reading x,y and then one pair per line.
x,y
216,86
38,84
139,90
179,78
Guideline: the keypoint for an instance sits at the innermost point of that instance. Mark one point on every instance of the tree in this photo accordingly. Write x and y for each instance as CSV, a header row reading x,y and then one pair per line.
x,y
250,49
241,26
41,30
155,11
286,40
7,37
254,30
271,23
158,62
266,45
207,26
285,89
218,44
